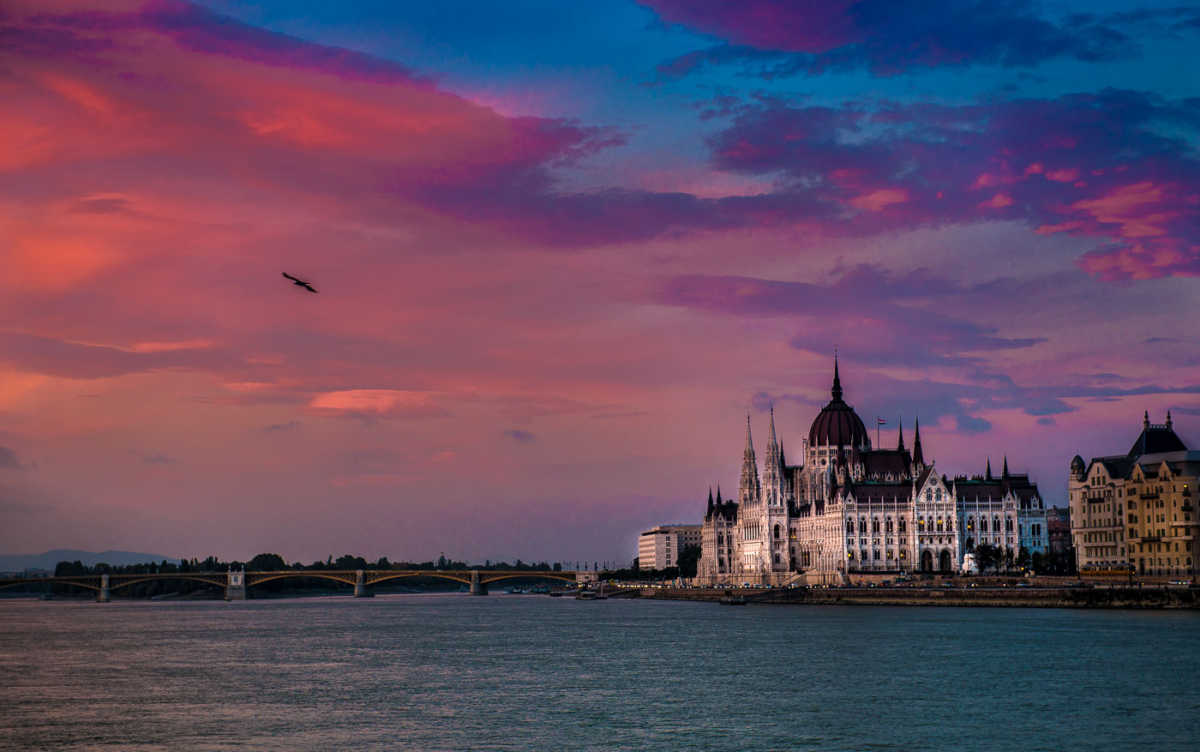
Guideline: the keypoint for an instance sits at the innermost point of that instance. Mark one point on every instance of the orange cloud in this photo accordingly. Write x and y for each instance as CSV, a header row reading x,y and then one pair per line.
x,y
879,199
1126,207
378,402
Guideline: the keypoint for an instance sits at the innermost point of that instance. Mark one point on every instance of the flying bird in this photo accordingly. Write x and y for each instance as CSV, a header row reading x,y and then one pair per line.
x,y
299,282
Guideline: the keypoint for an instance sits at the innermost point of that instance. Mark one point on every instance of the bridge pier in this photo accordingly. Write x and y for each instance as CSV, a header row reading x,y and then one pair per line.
x,y
102,595
235,588
477,587
360,586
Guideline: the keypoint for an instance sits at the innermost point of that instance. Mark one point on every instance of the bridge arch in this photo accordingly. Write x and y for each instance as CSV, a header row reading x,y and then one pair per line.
x,y
251,580
118,584
561,577
50,580
376,579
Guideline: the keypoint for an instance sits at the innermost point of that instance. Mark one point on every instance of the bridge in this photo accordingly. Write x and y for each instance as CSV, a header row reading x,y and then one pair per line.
x,y
237,581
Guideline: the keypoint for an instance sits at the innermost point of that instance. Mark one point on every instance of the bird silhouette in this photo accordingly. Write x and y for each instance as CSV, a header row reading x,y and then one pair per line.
x,y
299,282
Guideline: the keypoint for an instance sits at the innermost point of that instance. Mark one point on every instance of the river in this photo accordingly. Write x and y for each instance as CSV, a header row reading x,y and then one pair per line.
x,y
510,672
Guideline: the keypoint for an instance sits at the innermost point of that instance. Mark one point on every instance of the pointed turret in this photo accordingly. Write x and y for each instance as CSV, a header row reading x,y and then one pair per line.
x,y
1168,420
718,493
1004,472
837,380
748,486
918,455
988,474
772,485
900,445
1146,420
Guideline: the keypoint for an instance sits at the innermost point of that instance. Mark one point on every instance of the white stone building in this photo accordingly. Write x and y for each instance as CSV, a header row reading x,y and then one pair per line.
x,y
659,547
848,508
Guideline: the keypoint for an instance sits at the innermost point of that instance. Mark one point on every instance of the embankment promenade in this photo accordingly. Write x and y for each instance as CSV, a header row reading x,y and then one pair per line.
x,y
1032,597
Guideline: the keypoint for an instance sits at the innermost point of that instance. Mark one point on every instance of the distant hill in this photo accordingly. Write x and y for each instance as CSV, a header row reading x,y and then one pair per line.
x,y
50,559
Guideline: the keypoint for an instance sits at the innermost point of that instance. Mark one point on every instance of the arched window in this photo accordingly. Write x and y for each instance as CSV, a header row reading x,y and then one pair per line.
x,y
939,524
776,558
862,525
889,524
777,538
903,525
983,524
849,526
875,525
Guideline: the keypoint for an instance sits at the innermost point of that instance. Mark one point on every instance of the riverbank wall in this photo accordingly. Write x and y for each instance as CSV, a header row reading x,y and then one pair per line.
x,y
1104,597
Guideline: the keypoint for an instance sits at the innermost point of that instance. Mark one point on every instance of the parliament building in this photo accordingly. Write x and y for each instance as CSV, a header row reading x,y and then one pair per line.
x,y
848,507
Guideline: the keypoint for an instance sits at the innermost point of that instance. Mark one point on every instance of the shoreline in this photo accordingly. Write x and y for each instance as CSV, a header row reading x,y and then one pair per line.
x,y
1158,598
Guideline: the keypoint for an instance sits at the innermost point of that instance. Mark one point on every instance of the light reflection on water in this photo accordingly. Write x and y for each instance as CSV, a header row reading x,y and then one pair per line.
x,y
452,672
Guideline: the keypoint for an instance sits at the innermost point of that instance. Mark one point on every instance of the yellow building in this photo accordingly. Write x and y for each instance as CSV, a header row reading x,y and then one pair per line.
x,y
1138,509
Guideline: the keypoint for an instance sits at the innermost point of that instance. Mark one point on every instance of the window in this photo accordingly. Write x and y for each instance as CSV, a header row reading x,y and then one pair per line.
x,y
777,536
849,526
903,525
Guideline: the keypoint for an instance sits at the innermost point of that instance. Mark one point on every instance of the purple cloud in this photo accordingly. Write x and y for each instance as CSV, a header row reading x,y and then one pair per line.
x,y
1115,165
520,436
785,38
8,459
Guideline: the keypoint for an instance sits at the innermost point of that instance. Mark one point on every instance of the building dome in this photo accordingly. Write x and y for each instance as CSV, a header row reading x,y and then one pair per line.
x,y
837,424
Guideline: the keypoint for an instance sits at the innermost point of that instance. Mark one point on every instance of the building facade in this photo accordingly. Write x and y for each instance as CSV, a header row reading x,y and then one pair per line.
x,y
659,547
848,507
1058,525
1138,510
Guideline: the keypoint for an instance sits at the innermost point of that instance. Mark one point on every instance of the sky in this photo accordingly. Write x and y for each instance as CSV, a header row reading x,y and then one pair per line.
x,y
562,250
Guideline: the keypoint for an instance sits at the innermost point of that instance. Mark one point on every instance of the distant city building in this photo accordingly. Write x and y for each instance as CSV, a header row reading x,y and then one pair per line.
x,y
659,547
850,508
1058,524
1138,509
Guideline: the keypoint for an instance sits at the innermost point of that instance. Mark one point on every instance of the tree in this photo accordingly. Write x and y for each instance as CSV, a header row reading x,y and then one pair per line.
x,y
987,556
267,563
688,558
1024,560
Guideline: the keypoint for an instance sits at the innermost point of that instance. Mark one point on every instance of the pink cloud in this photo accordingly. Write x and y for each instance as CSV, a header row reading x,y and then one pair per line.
x,y
998,201
879,200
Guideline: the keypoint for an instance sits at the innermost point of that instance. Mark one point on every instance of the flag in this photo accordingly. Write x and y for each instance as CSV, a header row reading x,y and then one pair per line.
x,y
880,421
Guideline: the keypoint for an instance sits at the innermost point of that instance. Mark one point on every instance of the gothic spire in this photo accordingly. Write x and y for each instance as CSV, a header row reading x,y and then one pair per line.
x,y
900,446
771,431
748,485
918,455
1004,472
988,476
1168,420
837,380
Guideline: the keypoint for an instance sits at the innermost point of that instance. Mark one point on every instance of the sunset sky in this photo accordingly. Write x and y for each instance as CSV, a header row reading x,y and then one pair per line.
x,y
562,249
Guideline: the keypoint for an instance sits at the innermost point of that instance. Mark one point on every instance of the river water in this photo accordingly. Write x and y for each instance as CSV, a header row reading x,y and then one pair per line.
x,y
509,672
